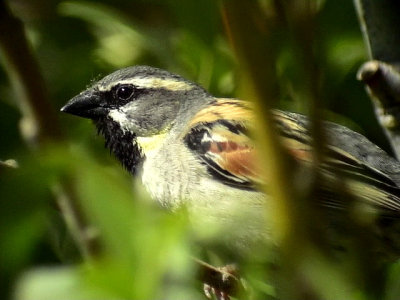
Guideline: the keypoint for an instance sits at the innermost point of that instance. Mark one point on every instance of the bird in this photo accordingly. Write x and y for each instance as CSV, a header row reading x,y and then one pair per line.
x,y
191,149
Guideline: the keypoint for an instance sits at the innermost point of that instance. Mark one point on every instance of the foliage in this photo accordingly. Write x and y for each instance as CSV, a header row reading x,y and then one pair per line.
x,y
145,252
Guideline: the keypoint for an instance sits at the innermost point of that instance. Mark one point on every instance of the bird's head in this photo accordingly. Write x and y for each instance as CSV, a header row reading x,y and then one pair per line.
x,y
136,102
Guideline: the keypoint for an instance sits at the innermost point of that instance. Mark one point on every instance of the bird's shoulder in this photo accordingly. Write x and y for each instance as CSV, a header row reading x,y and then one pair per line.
x,y
220,135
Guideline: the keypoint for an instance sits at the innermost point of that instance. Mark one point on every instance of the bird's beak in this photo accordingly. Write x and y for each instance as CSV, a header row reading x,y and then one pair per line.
x,y
88,104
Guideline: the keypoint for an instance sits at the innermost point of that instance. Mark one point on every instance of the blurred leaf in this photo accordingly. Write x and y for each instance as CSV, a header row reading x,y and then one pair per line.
x,y
20,239
201,18
344,53
119,43
57,284
142,245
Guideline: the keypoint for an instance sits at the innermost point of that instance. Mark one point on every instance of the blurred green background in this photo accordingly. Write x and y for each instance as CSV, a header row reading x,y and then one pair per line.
x,y
77,42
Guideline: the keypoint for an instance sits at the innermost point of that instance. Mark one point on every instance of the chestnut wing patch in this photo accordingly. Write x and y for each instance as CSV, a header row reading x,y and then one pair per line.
x,y
219,136
227,151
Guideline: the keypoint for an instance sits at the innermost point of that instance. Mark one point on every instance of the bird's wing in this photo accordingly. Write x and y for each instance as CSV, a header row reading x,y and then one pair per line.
x,y
219,135
359,177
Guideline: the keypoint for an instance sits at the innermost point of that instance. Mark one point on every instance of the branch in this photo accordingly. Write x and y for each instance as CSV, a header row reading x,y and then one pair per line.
x,y
224,281
383,87
252,36
380,26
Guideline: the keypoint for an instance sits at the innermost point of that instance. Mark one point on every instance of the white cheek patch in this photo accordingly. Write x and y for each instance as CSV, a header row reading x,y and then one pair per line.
x,y
119,117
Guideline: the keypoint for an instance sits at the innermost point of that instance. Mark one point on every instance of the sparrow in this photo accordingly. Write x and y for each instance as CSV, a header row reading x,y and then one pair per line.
x,y
191,149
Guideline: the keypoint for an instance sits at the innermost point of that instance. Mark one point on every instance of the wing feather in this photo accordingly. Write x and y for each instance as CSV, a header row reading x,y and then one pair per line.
x,y
219,135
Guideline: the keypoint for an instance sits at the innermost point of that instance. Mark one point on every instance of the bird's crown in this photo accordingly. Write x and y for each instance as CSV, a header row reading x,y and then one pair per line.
x,y
145,77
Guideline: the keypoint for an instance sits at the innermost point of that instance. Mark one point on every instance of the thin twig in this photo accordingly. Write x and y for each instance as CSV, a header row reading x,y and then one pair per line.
x,y
251,36
255,42
224,279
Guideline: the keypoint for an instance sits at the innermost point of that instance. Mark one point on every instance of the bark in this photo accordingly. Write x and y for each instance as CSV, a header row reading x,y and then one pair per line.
x,y
380,26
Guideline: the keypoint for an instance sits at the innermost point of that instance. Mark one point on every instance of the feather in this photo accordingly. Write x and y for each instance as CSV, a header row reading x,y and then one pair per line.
x,y
219,135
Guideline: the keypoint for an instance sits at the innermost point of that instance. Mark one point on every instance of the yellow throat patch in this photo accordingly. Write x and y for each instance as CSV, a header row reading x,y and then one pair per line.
x,y
151,143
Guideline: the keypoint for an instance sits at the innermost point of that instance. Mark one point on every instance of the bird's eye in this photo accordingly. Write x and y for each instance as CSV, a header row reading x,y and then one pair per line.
x,y
125,92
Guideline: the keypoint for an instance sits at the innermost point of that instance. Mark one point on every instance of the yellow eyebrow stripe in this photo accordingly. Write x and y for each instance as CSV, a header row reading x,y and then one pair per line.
x,y
153,83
